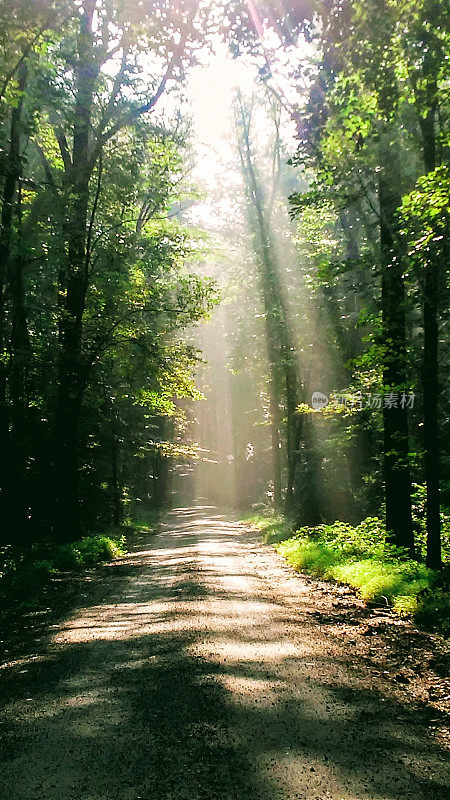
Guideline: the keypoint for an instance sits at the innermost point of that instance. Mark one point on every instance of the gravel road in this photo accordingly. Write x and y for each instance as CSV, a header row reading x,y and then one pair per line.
x,y
196,670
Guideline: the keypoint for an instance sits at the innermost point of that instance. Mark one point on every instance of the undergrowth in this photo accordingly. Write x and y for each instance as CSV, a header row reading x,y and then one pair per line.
x,y
23,575
362,558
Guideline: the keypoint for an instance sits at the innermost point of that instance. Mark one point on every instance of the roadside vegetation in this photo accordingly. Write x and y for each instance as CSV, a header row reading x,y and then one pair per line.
x,y
24,575
318,387
362,557
22,578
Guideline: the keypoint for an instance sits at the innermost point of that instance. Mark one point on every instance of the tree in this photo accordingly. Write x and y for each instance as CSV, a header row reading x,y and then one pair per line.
x,y
91,46
425,227
96,282
382,64
282,352
13,169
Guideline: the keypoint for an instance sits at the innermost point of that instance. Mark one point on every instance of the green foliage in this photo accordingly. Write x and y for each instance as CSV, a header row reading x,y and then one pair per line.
x,y
433,608
419,505
380,72
88,551
313,557
274,529
425,220
385,580
361,557
147,523
141,283
25,577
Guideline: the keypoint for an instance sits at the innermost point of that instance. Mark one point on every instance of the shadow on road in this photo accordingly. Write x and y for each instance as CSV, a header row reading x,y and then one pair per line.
x,y
185,684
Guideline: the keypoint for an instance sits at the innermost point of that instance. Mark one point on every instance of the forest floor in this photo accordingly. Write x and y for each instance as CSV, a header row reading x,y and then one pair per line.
x,y
201,667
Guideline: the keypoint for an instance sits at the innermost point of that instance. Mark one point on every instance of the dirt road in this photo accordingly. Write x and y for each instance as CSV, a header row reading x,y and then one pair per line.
x,y
195,670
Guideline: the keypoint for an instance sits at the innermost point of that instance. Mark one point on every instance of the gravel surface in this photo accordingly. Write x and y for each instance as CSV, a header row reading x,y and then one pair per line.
x,y
199,667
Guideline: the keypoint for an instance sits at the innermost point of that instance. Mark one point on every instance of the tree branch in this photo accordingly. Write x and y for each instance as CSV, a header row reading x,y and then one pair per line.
x,y
64,149
47,168
135,113
91,221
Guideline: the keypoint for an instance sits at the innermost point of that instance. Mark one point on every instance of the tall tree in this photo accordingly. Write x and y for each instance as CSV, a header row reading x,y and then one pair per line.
x,y
94,125
12,176
285,380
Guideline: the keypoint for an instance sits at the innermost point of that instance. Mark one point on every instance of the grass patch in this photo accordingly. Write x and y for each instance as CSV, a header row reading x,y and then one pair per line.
x,y
362,558
273,528
25,576
142,522
88,551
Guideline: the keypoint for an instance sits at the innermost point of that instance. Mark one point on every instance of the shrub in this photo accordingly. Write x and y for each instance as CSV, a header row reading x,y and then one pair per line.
x,y
273,528
67,557
313,557
386,580
88,551
361,557
433,609
28,578
24,578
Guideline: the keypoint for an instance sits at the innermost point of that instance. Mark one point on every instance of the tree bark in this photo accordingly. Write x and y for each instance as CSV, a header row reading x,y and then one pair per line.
x,y
396,466
116,488
430,370
430,384
274,409
13,171
294,429
73,294
19,363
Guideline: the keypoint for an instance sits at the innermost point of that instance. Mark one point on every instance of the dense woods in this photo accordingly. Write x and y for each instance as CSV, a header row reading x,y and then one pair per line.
x,y
331,263
224,404
361,315
95,261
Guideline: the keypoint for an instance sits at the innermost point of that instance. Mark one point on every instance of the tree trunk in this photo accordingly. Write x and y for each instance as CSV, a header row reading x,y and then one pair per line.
x,y
430,384
12,177
20,361
396,466
73,295
430,371
293,434
275,444
116,491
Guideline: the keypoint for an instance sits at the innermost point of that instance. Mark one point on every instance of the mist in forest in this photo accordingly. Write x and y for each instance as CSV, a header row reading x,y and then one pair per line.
x,y
223,255
231,425
224,351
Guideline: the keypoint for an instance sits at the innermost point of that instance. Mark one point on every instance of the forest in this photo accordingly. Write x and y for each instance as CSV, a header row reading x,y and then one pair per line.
x,y
285,352
224,403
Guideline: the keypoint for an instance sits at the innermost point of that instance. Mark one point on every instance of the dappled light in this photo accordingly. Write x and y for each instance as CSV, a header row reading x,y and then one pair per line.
x,y
224,421
192,680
